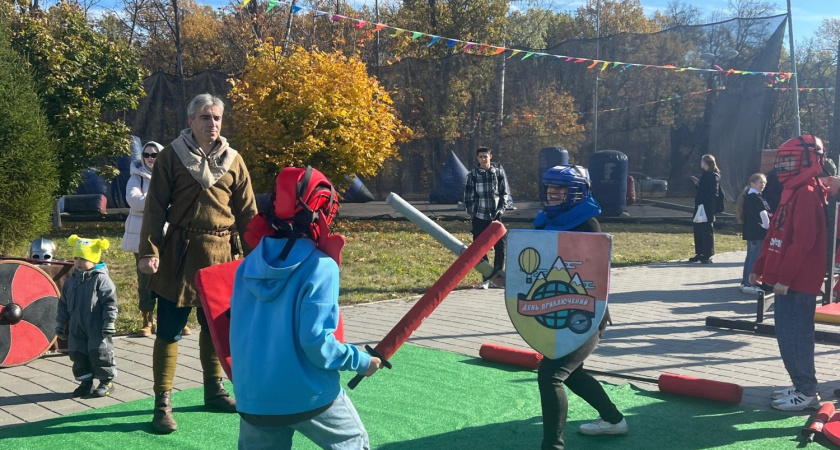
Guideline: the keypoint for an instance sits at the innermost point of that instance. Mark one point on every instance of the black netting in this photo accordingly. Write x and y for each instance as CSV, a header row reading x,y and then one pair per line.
x,y
663,120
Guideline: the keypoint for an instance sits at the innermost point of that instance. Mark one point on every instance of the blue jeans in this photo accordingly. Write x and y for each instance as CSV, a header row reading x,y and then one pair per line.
x,y
338,428
794,314
753,251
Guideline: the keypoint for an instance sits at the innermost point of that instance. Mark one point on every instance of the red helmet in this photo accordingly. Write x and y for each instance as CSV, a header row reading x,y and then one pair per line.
x,y
800,158
303,203
301,195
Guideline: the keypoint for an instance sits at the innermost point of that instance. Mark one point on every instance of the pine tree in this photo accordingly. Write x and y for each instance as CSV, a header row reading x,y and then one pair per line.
x,y
28,168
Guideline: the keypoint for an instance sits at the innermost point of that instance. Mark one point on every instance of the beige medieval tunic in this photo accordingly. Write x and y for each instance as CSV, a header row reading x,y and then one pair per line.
x,y
205,217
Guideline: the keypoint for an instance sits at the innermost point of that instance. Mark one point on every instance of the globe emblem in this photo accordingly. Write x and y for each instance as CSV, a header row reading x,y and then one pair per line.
x,y
577,321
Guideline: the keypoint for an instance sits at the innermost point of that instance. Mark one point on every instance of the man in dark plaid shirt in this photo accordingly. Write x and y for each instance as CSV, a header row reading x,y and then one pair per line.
x,y
484,201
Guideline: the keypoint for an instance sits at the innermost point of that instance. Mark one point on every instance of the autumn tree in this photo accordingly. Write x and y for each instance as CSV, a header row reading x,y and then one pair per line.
x,y
27,155
79,74
312,108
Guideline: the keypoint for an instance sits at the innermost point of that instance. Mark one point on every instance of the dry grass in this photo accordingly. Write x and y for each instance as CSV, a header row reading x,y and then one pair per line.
x,y
394,259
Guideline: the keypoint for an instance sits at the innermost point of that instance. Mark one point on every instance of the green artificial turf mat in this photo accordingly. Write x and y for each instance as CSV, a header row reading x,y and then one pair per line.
x,y
437,400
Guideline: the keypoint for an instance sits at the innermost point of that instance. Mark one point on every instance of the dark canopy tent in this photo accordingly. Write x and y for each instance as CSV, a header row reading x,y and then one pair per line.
x,y
357,192
450,185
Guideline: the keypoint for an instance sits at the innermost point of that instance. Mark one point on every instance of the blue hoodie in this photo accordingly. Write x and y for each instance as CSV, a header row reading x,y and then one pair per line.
x,y
284,357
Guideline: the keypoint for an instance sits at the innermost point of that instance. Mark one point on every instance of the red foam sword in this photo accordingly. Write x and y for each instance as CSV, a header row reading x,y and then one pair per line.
x,y
434,296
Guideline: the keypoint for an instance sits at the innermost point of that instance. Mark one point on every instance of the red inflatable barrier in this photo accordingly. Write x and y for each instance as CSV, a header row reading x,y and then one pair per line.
x,y
528,359
698,387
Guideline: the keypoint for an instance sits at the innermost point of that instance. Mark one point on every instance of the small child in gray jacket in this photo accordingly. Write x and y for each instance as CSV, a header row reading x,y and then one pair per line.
x,y
87,311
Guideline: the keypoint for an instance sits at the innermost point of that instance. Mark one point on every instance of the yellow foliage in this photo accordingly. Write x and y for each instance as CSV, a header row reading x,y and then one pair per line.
x,y
313,108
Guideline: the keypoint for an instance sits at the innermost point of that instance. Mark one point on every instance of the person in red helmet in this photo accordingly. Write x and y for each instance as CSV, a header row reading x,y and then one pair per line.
x,y
285,297
793,259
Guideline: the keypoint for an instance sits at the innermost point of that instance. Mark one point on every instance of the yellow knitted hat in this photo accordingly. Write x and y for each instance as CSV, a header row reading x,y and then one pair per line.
x,y
89,249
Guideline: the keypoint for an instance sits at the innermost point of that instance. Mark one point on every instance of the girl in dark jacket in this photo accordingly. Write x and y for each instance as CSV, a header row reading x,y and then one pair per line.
x,y
707,189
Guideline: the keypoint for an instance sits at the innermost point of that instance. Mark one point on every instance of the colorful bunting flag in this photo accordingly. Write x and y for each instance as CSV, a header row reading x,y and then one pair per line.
x,y
781,77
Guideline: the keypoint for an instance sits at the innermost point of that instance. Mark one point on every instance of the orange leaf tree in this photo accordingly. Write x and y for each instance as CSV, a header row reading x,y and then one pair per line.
x,y
312,108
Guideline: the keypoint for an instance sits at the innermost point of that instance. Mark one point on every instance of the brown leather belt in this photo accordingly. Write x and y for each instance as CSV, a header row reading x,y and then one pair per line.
x,y
220,232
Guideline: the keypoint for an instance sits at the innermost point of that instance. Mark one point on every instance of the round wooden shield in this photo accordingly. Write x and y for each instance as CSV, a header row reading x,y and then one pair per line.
x,y
28,305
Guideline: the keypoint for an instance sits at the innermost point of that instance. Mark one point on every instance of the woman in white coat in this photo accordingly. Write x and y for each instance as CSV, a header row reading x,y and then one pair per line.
x,y
135,195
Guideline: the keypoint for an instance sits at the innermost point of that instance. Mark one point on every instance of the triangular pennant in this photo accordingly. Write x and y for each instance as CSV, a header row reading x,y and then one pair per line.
x,y
527,55
594,63
416,35
360,24
451,43
379,26
271,5
398,32
498,50
296,8
434,39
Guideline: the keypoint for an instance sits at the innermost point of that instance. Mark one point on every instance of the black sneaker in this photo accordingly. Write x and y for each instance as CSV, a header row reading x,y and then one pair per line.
x,y
84,389
706,261
695,258
105,388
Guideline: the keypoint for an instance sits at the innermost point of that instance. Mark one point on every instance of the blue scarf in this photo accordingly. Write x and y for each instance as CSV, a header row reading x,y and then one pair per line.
x,y
579,214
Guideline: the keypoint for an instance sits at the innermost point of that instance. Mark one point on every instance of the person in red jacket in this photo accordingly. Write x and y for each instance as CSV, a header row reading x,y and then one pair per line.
x,y
793,261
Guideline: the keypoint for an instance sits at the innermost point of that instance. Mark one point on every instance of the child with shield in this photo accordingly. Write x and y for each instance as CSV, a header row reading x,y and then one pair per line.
x,y
284,312
570,206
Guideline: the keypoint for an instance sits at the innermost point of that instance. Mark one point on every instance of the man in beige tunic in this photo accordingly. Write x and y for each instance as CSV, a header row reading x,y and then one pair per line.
x,y
201,187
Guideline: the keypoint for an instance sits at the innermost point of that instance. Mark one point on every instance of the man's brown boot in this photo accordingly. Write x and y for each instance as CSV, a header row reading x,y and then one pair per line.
x,y
216,397
163,422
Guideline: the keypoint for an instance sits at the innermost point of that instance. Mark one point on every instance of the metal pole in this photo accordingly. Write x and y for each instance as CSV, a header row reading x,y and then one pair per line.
x,y
501,100
378,62
797,130
597,76
834,148
289,27
831,209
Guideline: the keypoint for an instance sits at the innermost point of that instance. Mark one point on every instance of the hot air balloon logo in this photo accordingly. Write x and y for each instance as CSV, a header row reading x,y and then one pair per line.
x,y
529,262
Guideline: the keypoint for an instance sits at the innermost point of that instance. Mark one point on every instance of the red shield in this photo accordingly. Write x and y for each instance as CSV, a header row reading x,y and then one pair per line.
x,y
28,305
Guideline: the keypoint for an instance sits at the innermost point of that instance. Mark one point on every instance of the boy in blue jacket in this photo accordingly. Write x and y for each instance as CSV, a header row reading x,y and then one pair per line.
x,y
284,310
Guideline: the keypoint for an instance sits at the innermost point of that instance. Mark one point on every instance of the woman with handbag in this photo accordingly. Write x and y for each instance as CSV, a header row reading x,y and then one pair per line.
x,y
705,203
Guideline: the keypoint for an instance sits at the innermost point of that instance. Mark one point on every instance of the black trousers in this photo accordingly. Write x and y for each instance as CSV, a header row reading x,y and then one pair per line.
x,y
171,320
552,375
704,239
478,226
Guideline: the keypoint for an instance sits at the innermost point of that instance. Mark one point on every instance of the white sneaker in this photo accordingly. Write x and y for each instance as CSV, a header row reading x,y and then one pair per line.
x,y
493,285
782,393
601,426
750,289
484,285
797,402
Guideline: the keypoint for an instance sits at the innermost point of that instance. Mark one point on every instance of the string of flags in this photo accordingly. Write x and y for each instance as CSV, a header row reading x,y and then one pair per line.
x,y
806,89
491,50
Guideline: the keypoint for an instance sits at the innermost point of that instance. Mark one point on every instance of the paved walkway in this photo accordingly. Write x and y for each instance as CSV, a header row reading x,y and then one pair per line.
x,y
658,311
